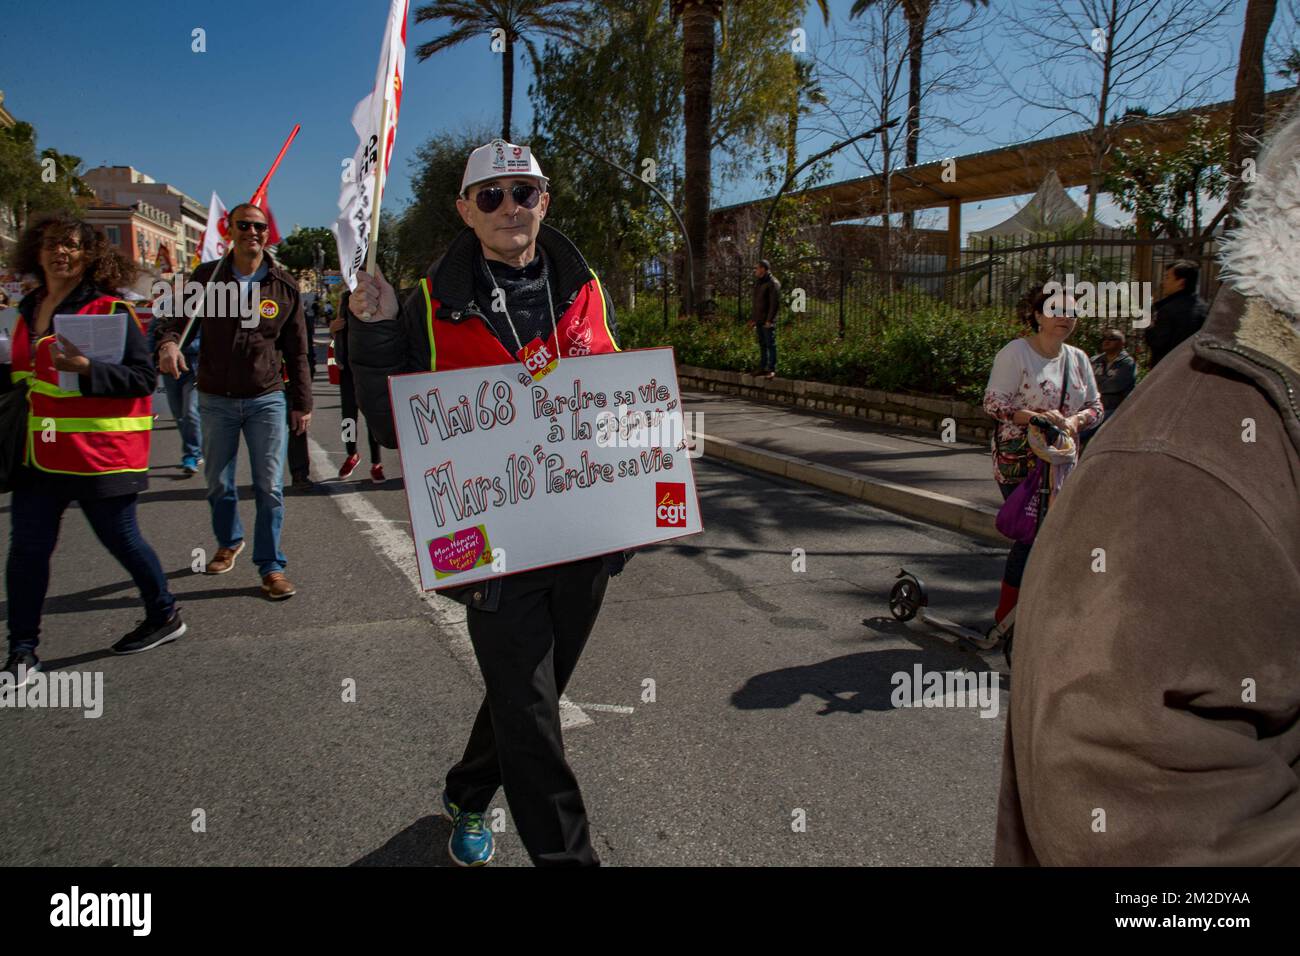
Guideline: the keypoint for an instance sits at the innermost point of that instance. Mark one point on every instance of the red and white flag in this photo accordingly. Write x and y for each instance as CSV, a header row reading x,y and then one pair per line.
x,y
216,240
360,194
272,233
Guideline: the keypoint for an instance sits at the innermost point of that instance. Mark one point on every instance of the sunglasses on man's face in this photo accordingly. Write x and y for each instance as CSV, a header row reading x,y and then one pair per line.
x,y
490,198
247,224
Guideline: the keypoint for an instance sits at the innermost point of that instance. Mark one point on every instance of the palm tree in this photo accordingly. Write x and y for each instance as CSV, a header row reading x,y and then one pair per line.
x,y
916,12
698,18
68,172
808,92
1248,99
517,20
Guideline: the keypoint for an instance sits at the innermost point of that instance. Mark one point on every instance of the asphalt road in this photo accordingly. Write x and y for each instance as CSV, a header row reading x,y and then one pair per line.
x,y
771,693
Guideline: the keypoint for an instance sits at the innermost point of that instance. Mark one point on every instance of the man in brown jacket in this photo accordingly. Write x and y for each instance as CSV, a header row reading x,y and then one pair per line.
x,y
241,391
1155,706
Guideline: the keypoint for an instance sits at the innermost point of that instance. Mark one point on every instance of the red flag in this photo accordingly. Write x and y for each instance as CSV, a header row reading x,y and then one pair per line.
x,y
261,202
259,197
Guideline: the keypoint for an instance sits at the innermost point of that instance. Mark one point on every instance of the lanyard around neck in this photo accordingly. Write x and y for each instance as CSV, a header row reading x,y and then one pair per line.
x,y
513,331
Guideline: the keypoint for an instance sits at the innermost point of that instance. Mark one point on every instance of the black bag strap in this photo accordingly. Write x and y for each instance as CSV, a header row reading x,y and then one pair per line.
x,y
1065,375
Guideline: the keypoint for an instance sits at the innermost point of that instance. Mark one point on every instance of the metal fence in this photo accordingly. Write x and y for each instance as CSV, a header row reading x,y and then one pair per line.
x,y
850,297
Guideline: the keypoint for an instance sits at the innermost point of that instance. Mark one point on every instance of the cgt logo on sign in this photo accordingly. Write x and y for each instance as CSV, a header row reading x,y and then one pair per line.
x,y
269,309
670,510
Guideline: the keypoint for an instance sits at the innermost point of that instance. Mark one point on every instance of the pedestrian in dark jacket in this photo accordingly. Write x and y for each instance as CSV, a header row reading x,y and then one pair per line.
x,y
88,443
1179,314
528,629
1116,374
1155,712
348,400
243,392
764,308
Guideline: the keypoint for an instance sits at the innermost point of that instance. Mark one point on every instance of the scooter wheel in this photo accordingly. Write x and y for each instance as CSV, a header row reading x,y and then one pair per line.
x,y
904,599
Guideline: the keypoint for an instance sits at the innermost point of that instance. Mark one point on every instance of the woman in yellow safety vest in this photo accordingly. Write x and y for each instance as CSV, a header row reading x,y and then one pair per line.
x,y
87,435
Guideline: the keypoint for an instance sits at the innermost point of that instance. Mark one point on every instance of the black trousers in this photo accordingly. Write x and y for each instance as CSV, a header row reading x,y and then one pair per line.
x,y
299,457
527,651
352,411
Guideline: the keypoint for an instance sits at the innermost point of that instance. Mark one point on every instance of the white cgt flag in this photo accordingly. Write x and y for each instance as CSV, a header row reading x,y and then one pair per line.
x,y
358,195
215,241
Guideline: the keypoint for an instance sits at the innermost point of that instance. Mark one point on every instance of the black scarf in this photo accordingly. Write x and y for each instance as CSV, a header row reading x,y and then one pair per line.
x,y
525,299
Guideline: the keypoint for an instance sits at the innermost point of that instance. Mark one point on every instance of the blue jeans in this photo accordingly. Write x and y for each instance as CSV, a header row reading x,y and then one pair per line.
x,y
767,347
183,399
262,422
35,517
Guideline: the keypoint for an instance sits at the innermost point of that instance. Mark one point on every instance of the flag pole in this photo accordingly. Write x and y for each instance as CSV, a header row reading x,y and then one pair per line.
x,y
373,247
261,189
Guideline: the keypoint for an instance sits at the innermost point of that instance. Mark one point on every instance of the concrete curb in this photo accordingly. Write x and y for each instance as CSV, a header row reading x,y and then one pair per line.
x,y
957,514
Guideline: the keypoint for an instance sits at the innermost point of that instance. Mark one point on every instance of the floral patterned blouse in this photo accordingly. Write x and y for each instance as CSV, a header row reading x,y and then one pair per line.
x,y
1022,378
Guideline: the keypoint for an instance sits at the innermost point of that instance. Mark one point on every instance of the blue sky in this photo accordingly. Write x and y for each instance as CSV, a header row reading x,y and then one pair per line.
x,y
117,83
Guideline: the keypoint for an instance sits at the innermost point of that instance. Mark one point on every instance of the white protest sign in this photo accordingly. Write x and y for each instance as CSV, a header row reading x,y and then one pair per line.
x,y
505,474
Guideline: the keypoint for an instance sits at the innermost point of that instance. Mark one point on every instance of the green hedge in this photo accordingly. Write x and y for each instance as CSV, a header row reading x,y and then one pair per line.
x,y
915,345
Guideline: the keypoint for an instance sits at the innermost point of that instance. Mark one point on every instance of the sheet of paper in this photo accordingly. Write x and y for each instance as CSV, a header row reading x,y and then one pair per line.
x,y
8,318
101,338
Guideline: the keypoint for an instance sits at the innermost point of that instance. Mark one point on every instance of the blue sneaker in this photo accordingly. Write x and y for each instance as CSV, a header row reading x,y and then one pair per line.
x,y
190,465
471,841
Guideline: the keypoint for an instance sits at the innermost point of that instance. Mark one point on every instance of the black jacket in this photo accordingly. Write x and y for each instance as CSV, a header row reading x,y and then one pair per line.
x,y
134,377
767,300
1177,317
1114,381
377,350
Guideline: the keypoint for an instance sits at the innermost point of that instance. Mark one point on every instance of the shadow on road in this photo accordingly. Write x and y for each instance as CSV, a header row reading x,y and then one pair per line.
x,y
850,684
423,843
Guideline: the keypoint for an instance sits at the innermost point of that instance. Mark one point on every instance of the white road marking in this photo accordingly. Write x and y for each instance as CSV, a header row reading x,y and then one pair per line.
x,y
607,708
396,546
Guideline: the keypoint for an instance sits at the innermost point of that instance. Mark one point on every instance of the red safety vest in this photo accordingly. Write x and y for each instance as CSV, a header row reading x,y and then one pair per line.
x,y
91,435
583,329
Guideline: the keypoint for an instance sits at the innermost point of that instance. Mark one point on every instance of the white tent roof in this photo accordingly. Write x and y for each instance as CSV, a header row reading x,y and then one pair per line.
x,y
1048,210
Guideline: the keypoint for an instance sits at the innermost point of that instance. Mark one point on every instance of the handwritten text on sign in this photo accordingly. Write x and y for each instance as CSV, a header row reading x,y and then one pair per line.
x,y
505,474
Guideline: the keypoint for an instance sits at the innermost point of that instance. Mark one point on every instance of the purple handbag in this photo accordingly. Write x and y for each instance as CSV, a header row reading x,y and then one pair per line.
x,y
1018,516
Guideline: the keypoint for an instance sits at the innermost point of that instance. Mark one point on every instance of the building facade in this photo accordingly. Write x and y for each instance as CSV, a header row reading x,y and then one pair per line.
x,y
141,231
127,186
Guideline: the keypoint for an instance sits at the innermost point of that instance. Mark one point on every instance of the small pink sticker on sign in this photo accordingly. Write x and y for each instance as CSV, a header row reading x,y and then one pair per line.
x,y
467,548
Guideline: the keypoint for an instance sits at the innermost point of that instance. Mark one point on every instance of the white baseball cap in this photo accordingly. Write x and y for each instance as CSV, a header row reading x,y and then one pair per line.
x,y
497,159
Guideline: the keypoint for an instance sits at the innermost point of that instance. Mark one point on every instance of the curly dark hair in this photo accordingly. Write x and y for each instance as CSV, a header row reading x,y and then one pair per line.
x,y
1032,304
108,268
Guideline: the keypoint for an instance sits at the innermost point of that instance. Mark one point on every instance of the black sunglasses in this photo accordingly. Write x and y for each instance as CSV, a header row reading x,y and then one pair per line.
x,y
247,224
490,198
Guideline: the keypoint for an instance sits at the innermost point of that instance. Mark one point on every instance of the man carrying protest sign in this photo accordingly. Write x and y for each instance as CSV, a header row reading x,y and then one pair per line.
x,y
508,289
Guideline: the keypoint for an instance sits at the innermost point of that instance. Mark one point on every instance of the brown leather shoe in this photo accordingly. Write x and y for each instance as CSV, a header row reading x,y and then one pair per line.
x,y
277,587
224,559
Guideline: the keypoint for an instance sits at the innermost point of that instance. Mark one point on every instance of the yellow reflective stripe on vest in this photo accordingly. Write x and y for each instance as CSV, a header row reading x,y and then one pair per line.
x,y
604,312
49,388
428,321
18,375
140,423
